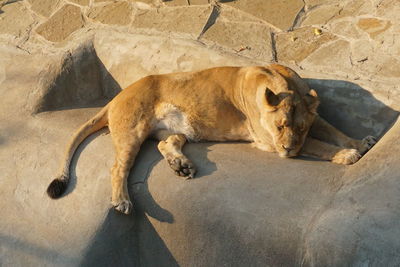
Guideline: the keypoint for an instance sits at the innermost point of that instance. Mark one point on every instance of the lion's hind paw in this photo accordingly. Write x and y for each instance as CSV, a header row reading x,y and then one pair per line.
x,y
182,167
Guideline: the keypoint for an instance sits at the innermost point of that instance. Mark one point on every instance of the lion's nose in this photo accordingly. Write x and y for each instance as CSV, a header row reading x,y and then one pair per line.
x,y
288,149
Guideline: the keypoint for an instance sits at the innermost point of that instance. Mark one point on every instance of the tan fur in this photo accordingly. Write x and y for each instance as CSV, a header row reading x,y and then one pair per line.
x,y
272,107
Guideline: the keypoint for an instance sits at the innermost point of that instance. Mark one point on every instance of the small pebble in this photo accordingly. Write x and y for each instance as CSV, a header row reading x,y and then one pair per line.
x,y
317,31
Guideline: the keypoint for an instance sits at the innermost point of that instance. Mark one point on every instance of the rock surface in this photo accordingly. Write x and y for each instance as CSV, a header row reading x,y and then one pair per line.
x,y
43,7
116,13
237,37
281,14
64,22
297,45
60,61
16,20
192,21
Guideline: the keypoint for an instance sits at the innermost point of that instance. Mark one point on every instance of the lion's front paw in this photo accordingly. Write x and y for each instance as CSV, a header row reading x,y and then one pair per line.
x,y
124,206
367,143
346,156
182,167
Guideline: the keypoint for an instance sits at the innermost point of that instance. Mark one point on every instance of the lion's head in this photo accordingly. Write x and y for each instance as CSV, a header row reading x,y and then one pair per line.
x,y
288,116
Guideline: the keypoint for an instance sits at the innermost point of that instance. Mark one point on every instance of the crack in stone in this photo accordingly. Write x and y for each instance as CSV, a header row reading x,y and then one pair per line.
x,y
6,2
273,47
211,19
351,59
299,17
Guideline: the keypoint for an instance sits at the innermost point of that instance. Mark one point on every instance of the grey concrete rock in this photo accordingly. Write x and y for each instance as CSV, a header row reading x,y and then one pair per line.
x,y
360,225
143,55
246,207
36,230
348,112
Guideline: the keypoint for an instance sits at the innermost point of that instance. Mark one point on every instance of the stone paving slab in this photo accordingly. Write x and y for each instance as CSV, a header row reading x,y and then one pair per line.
x,y
322,15
314,3
176,3
64,22
192,20
373,26
43,7
117,13
254,40
81,2
297,45
333,57
281,14
231,14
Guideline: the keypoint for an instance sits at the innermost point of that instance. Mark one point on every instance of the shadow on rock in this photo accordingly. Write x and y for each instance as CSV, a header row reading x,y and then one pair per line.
x,y
80,80
352,109
143,201
146,160
149,156
7,2
23,247
116,242
132,240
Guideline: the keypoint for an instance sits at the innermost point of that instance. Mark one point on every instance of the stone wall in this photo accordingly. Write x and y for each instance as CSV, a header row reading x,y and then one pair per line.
x,y
355,40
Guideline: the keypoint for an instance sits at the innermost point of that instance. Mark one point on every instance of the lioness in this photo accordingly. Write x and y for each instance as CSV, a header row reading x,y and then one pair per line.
x,y
271,106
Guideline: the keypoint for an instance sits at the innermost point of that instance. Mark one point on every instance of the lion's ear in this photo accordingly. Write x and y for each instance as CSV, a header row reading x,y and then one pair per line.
x,y
273,100
311,98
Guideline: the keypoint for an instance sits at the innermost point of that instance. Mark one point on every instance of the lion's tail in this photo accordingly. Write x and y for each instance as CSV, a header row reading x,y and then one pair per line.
x,y
58,186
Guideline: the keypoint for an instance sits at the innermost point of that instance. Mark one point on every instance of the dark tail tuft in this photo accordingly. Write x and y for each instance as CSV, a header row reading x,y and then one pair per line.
x,y
57,187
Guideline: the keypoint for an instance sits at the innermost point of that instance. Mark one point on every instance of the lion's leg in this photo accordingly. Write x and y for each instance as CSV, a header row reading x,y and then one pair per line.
x,y
324,131
127,142
321,150
170,147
